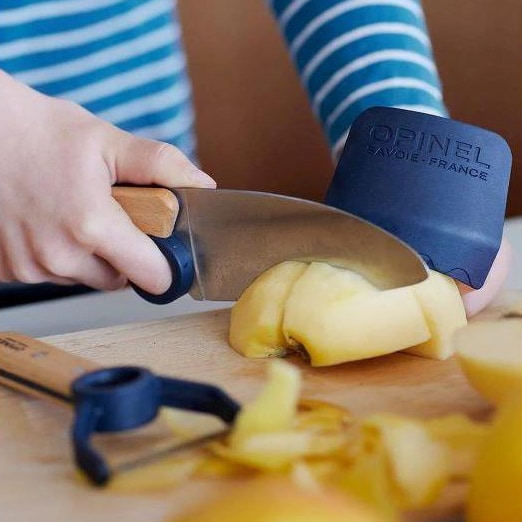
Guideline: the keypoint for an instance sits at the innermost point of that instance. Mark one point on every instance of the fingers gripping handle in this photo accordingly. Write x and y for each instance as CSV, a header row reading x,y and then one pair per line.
x,y
154,211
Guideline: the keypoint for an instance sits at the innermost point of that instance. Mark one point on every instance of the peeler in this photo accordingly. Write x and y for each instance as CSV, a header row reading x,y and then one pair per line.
x,y
106,399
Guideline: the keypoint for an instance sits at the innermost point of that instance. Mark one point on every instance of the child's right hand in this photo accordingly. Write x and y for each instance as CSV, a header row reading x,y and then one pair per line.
x,y
58,221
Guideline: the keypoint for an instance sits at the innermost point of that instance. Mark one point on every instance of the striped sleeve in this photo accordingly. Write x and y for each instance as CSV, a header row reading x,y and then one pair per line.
x,y
123,60
354,54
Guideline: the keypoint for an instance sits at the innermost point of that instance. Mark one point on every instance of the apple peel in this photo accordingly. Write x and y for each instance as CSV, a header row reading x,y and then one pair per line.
x,y
257,317
419,464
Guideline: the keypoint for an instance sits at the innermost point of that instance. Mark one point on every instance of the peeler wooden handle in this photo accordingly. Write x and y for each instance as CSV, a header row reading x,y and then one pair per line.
x,y
38,368
152,210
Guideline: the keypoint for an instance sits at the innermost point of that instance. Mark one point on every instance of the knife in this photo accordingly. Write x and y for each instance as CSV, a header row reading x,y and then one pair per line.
x,y
217,241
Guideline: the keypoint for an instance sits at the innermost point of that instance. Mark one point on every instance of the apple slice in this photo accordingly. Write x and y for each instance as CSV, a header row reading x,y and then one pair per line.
x,y
275,408
257,317
462,437
496,480
267,451
367,478
261,435
419,464
338,316
276,430
490,354
444,312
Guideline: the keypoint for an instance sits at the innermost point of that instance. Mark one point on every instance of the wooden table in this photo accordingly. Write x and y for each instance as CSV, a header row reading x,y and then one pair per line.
x,y
36,473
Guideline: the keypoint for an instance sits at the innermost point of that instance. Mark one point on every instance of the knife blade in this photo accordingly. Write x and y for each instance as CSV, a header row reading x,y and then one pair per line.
x,y
235,235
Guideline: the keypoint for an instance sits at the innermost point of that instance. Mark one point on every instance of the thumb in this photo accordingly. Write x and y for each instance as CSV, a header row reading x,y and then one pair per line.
x,y
147,162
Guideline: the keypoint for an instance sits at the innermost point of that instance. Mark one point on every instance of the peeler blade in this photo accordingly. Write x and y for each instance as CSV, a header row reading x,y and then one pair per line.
x,y
175,448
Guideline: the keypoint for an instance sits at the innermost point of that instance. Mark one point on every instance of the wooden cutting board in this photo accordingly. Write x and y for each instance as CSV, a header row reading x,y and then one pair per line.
x,y
37,479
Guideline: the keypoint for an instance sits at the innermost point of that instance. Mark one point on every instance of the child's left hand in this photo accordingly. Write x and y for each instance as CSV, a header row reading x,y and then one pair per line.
x,y
477,300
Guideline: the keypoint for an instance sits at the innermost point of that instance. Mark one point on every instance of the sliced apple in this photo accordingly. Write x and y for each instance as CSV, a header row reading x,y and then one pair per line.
x,y
496,481
257,317
262,435
463,437
419,464
267,451
275,408
333,283
444,312
313,413
276,429
338,316
490,354
367,478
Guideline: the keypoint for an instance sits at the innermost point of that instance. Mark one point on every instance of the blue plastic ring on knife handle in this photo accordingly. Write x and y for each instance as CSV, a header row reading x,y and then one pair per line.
x,y
182,266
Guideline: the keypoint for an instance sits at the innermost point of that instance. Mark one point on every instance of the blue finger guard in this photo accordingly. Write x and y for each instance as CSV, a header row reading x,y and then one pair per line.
x,y
438,184
127,397
181,265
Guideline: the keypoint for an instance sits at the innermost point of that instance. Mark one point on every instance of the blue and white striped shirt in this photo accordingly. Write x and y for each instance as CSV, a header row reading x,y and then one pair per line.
x,y
354,54
123,59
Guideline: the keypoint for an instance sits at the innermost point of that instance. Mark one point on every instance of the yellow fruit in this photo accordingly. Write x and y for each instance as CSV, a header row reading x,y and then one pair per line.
x,y
267,451
335,284
490,354
262,436
278,500
463,438
214,466
419,464
257,317
444,312
275,408
367,479
338,317
188,424
496,485
313,413
275,430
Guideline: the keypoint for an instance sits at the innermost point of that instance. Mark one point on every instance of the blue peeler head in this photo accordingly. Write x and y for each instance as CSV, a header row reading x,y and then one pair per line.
x,y
122,398
438,184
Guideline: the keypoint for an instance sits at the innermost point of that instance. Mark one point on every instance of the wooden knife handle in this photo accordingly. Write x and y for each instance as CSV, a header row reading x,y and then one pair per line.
x,y
38,368
152,210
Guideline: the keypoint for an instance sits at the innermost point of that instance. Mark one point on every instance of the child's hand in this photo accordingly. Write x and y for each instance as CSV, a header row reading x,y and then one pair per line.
x,y
58,221
477,300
